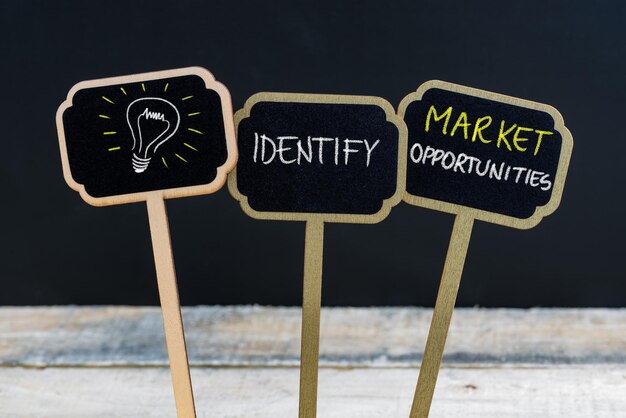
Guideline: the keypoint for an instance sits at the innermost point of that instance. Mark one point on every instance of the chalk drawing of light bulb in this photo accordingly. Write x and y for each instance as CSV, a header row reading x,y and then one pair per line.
x,y
152,122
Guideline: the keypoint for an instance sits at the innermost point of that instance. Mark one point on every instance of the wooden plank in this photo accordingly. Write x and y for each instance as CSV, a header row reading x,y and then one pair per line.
x,y
252,335
500,363
566,391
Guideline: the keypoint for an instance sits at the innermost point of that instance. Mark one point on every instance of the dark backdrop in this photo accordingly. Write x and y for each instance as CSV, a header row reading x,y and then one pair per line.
x,y
54,248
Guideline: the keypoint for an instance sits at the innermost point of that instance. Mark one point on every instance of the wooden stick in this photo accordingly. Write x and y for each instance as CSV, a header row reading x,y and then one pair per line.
x,y
311,305
442,315
170,305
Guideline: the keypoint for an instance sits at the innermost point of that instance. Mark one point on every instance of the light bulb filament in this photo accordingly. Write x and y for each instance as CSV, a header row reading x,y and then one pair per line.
x,y
153,115
147,115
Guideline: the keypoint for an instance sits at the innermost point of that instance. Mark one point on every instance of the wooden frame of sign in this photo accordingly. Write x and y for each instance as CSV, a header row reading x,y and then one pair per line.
x,y
295,109
509,140
155,109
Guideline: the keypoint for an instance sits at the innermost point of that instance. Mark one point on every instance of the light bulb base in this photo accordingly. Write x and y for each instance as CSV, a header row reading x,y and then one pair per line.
x,y
140,164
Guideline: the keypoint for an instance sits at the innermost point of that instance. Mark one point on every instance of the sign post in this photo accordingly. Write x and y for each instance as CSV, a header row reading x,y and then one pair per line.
x,y
311,306
481,156
149,137
317,159
442,315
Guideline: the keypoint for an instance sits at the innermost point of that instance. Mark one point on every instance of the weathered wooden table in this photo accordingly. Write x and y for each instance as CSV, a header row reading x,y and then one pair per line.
x,y
97,362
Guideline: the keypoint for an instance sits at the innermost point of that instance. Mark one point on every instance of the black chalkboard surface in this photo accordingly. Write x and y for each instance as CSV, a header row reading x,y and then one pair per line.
x,y
337,157
495,157
125,136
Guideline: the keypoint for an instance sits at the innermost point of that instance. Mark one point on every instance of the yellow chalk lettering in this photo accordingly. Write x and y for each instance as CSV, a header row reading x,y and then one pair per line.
x,y
540,138
502,135
478,129
432,111
517,138
461,121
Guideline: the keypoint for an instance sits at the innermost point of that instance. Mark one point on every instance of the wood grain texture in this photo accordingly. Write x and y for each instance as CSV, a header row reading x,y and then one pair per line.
x,y
350,337
567,391
97,362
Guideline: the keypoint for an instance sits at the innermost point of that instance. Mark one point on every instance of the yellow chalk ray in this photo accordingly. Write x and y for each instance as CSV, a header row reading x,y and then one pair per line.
x,y
109,133
195,131
165,89
181,158
114,148
123,91
104,117
108,100
193,114
189,146
143,87
187,98
164,163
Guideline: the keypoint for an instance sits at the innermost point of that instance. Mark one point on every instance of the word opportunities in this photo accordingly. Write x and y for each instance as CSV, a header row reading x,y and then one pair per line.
x,y
500,158
340,157
127,136
466,164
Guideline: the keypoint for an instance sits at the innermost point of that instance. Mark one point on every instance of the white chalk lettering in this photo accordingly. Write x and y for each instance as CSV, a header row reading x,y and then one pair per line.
x,y
302,153
347,150
290,149
468,164
256,146
413,148
369,150
281,150
321,141
265,139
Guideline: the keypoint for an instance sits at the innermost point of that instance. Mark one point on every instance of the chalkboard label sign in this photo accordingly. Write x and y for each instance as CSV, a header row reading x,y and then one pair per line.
x,y
495,158
124,137
331,158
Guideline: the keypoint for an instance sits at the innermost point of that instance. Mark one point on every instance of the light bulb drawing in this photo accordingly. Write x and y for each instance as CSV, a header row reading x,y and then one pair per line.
x,y
130,135
152,122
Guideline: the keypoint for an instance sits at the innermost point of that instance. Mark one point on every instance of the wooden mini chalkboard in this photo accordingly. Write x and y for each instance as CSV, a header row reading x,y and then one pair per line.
x,y
310,157
149,137
491,157
484,156
317,158
123,139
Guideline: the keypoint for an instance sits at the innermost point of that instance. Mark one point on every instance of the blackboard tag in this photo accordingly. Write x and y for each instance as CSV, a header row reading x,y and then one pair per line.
x,y
148,137
484,155
319,157
125,138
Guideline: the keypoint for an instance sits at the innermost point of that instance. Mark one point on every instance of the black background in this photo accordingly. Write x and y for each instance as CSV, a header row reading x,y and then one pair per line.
x,y
105,173
353,188
504,197
54,248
